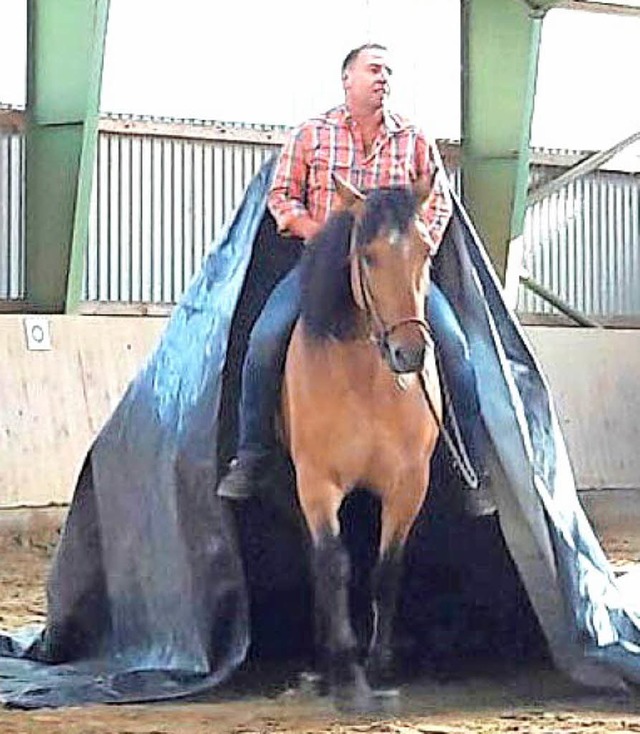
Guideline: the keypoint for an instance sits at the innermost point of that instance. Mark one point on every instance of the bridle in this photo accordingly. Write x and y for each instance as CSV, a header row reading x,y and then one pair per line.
x,y
379,332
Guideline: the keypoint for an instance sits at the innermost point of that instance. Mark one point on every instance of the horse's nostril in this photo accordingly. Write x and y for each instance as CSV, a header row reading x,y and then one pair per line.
x,y
416,359
407,359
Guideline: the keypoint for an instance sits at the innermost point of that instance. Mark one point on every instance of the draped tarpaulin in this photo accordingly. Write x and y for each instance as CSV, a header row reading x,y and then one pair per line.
x,y
159,589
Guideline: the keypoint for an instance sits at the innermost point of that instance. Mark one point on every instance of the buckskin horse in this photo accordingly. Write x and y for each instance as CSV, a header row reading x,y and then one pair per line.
x,y
361,407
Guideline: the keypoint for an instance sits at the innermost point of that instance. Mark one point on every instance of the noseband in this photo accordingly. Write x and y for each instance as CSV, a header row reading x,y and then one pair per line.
x,y
379,331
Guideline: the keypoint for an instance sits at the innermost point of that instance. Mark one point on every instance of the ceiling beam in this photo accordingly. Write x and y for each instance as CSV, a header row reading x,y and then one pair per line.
x,y
540,7
600,7
590,164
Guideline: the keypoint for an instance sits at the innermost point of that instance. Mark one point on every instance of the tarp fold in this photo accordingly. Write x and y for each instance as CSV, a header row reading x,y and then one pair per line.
x,y
158,589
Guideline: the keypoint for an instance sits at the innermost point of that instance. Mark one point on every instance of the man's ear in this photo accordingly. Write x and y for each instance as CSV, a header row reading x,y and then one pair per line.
x,y
348,195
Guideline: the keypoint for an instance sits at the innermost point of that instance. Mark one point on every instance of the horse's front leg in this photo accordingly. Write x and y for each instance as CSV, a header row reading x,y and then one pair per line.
x,y
399,510
336,641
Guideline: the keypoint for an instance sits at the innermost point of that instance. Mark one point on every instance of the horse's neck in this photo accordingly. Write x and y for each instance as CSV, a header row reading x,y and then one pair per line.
x,y
361,355
362,330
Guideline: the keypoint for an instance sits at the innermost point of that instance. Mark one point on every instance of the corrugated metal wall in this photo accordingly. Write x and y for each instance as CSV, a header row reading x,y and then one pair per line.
x,y
583,244
163,190
162,196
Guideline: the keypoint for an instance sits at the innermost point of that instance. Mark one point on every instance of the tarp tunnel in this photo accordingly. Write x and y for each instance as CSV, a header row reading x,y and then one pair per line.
x,y
159,589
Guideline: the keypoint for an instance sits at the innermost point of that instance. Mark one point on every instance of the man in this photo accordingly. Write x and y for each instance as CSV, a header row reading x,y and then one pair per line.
x,y
365,144
361,142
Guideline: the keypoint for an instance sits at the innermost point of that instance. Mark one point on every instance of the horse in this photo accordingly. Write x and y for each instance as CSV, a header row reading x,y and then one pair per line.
x,y
361,407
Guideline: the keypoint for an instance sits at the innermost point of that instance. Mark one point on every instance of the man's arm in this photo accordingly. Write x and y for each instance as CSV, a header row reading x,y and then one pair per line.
x,y
438,207
287,195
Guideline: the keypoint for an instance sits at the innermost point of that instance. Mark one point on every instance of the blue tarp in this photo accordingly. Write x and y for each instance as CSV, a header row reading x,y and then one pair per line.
x,y
159,589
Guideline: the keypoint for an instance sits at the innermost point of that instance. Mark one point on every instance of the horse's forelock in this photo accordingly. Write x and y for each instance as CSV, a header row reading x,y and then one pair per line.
x,y
327,307
331,239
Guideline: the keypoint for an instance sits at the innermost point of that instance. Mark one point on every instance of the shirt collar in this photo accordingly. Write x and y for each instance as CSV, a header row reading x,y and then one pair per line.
x,y
391,122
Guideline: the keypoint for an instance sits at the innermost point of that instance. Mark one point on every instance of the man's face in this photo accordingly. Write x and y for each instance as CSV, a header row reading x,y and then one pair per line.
x,y
366,81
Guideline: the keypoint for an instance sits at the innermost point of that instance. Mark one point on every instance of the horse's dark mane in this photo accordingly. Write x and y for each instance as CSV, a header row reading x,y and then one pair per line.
x,y
327,307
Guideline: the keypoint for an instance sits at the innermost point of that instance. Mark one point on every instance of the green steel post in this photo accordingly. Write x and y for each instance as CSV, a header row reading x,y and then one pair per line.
x,y
500,46
64,72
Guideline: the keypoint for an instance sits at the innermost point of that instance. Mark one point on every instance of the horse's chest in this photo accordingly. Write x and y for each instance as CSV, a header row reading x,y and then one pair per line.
x,y
370,442
380,417
350,405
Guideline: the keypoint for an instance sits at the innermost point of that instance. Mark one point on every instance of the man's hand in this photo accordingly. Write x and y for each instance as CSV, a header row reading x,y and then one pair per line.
x,y
304,227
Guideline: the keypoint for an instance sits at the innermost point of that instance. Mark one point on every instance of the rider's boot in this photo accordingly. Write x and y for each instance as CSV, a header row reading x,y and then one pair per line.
x,y
243,479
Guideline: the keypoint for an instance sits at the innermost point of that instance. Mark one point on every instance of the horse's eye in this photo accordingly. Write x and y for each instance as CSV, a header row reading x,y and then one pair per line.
x,y
369,260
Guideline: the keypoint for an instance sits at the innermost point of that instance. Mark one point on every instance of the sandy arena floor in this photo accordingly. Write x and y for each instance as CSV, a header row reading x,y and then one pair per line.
x,y
530,702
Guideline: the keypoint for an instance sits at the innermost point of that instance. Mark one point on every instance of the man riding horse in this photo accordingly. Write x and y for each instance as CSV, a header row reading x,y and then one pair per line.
x,y
370,147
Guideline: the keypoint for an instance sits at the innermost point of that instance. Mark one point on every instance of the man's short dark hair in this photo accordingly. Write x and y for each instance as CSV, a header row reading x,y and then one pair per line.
x,y
355,52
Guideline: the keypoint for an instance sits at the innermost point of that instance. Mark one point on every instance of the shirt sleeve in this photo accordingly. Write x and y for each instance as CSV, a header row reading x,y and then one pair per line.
x,y
286,199
438,207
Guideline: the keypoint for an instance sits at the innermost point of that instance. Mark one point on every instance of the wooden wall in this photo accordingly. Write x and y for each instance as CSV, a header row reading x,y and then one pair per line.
x,y
53,403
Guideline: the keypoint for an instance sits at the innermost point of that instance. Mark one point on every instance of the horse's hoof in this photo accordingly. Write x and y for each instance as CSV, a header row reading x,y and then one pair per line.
x,y
357,703
311,684
369,702
354,696
387,700
381,673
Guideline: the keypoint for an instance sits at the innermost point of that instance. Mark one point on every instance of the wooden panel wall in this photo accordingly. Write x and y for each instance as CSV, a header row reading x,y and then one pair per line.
x,y
53,403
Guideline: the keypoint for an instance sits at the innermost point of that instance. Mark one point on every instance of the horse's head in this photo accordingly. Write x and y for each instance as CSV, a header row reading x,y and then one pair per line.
x,y
390,270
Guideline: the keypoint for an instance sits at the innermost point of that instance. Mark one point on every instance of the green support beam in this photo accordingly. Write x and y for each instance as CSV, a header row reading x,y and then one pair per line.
x,y
500,42
64,70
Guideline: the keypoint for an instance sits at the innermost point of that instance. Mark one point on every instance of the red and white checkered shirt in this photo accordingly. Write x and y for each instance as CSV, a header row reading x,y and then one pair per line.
x,y
333,143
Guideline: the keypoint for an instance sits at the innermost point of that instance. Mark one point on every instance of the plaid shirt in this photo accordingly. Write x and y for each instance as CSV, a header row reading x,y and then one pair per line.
x,y
333,143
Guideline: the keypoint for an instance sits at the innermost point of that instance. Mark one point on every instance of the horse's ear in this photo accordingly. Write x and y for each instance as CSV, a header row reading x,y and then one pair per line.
x,y
422,188
348,195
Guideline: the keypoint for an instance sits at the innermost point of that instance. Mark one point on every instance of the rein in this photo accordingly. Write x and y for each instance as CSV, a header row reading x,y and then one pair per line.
x,y
379,334
454,443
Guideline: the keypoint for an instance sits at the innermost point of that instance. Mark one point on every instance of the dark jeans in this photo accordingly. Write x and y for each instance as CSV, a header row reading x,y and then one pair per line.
x,y
264,365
